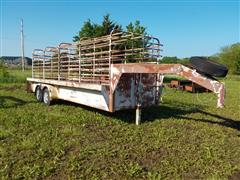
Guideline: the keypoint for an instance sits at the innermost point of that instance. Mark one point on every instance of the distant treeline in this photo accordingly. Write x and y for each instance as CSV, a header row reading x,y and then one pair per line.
x,y
173,60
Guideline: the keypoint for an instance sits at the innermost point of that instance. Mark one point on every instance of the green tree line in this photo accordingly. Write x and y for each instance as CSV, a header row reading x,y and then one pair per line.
x,y
230,56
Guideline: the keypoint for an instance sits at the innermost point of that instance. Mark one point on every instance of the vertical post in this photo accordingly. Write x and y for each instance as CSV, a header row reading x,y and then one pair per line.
x,y
79,62
125,57
32,64
153,49
43,59
221,95
22,45
159,90
132,56
138,114
101,72
158,51
138,98
94,58
110,54
160,77
69,55
143,46
39,65
58,63
110,75
51,61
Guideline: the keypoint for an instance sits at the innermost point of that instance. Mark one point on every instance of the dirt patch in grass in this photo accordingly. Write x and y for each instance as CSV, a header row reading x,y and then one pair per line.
x,y
235,176
11,88
152,158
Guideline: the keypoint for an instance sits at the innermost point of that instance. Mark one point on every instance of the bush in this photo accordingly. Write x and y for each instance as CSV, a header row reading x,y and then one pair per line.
x,y
4,75
8,75
230,56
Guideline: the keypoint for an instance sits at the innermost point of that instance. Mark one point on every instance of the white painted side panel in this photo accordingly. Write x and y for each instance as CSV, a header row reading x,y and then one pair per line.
x,y
86,97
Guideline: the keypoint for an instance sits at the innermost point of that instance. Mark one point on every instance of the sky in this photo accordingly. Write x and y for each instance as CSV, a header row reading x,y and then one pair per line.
x,y
185,27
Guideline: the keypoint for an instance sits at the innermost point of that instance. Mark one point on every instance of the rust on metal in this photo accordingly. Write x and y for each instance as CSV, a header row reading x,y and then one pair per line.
x,y
178,69
117,71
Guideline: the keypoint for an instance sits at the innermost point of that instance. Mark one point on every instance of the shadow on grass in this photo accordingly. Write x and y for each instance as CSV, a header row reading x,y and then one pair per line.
x,y
148,114
14,102
153,113
164,111
227,122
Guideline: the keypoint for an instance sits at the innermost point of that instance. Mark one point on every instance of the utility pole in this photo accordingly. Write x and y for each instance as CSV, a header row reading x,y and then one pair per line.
x,y
22,45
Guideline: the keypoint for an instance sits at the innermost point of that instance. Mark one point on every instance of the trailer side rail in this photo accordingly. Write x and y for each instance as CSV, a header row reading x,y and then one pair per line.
x,y
89,60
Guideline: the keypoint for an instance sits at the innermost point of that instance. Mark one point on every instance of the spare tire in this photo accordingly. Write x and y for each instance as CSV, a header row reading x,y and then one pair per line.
x,y
207,67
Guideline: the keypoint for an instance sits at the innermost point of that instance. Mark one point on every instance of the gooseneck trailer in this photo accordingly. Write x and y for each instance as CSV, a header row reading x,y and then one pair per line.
x,y
114,72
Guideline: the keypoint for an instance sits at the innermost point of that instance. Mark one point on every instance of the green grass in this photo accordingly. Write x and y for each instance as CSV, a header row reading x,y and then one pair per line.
x,y
186,137
14,75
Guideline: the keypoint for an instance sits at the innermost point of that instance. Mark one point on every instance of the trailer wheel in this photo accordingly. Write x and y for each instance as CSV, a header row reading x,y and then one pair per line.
x,y
39,94
46,97
210,68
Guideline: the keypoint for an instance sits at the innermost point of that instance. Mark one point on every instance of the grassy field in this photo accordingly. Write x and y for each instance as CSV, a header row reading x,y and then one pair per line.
x,y
186,137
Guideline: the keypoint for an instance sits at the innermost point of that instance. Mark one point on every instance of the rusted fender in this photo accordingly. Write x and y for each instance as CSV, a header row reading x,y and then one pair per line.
x,y
215,86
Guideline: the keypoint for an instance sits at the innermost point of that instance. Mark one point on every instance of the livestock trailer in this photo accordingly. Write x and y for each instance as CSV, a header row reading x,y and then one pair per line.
x,y
114,72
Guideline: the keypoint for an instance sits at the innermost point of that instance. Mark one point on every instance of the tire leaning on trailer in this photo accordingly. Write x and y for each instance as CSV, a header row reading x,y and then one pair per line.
x,y
39,94
207,67
46,96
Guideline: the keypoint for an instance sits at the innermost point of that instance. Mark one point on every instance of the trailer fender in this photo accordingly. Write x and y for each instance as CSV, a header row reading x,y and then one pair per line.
x,y
29,87
53,91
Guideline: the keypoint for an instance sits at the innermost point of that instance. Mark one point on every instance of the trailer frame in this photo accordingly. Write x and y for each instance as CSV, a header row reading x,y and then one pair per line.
x,y
114,72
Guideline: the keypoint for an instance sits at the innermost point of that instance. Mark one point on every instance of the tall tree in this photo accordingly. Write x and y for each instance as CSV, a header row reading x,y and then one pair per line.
x,y
107,25
91,30
86,31
136,28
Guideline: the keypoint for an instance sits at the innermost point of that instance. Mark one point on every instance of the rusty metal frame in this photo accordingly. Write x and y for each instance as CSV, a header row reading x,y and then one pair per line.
x,y
98,64
178,69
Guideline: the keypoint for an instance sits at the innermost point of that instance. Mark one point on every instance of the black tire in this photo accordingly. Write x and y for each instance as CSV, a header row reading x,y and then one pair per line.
x,y
39,94
46,97
207,67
